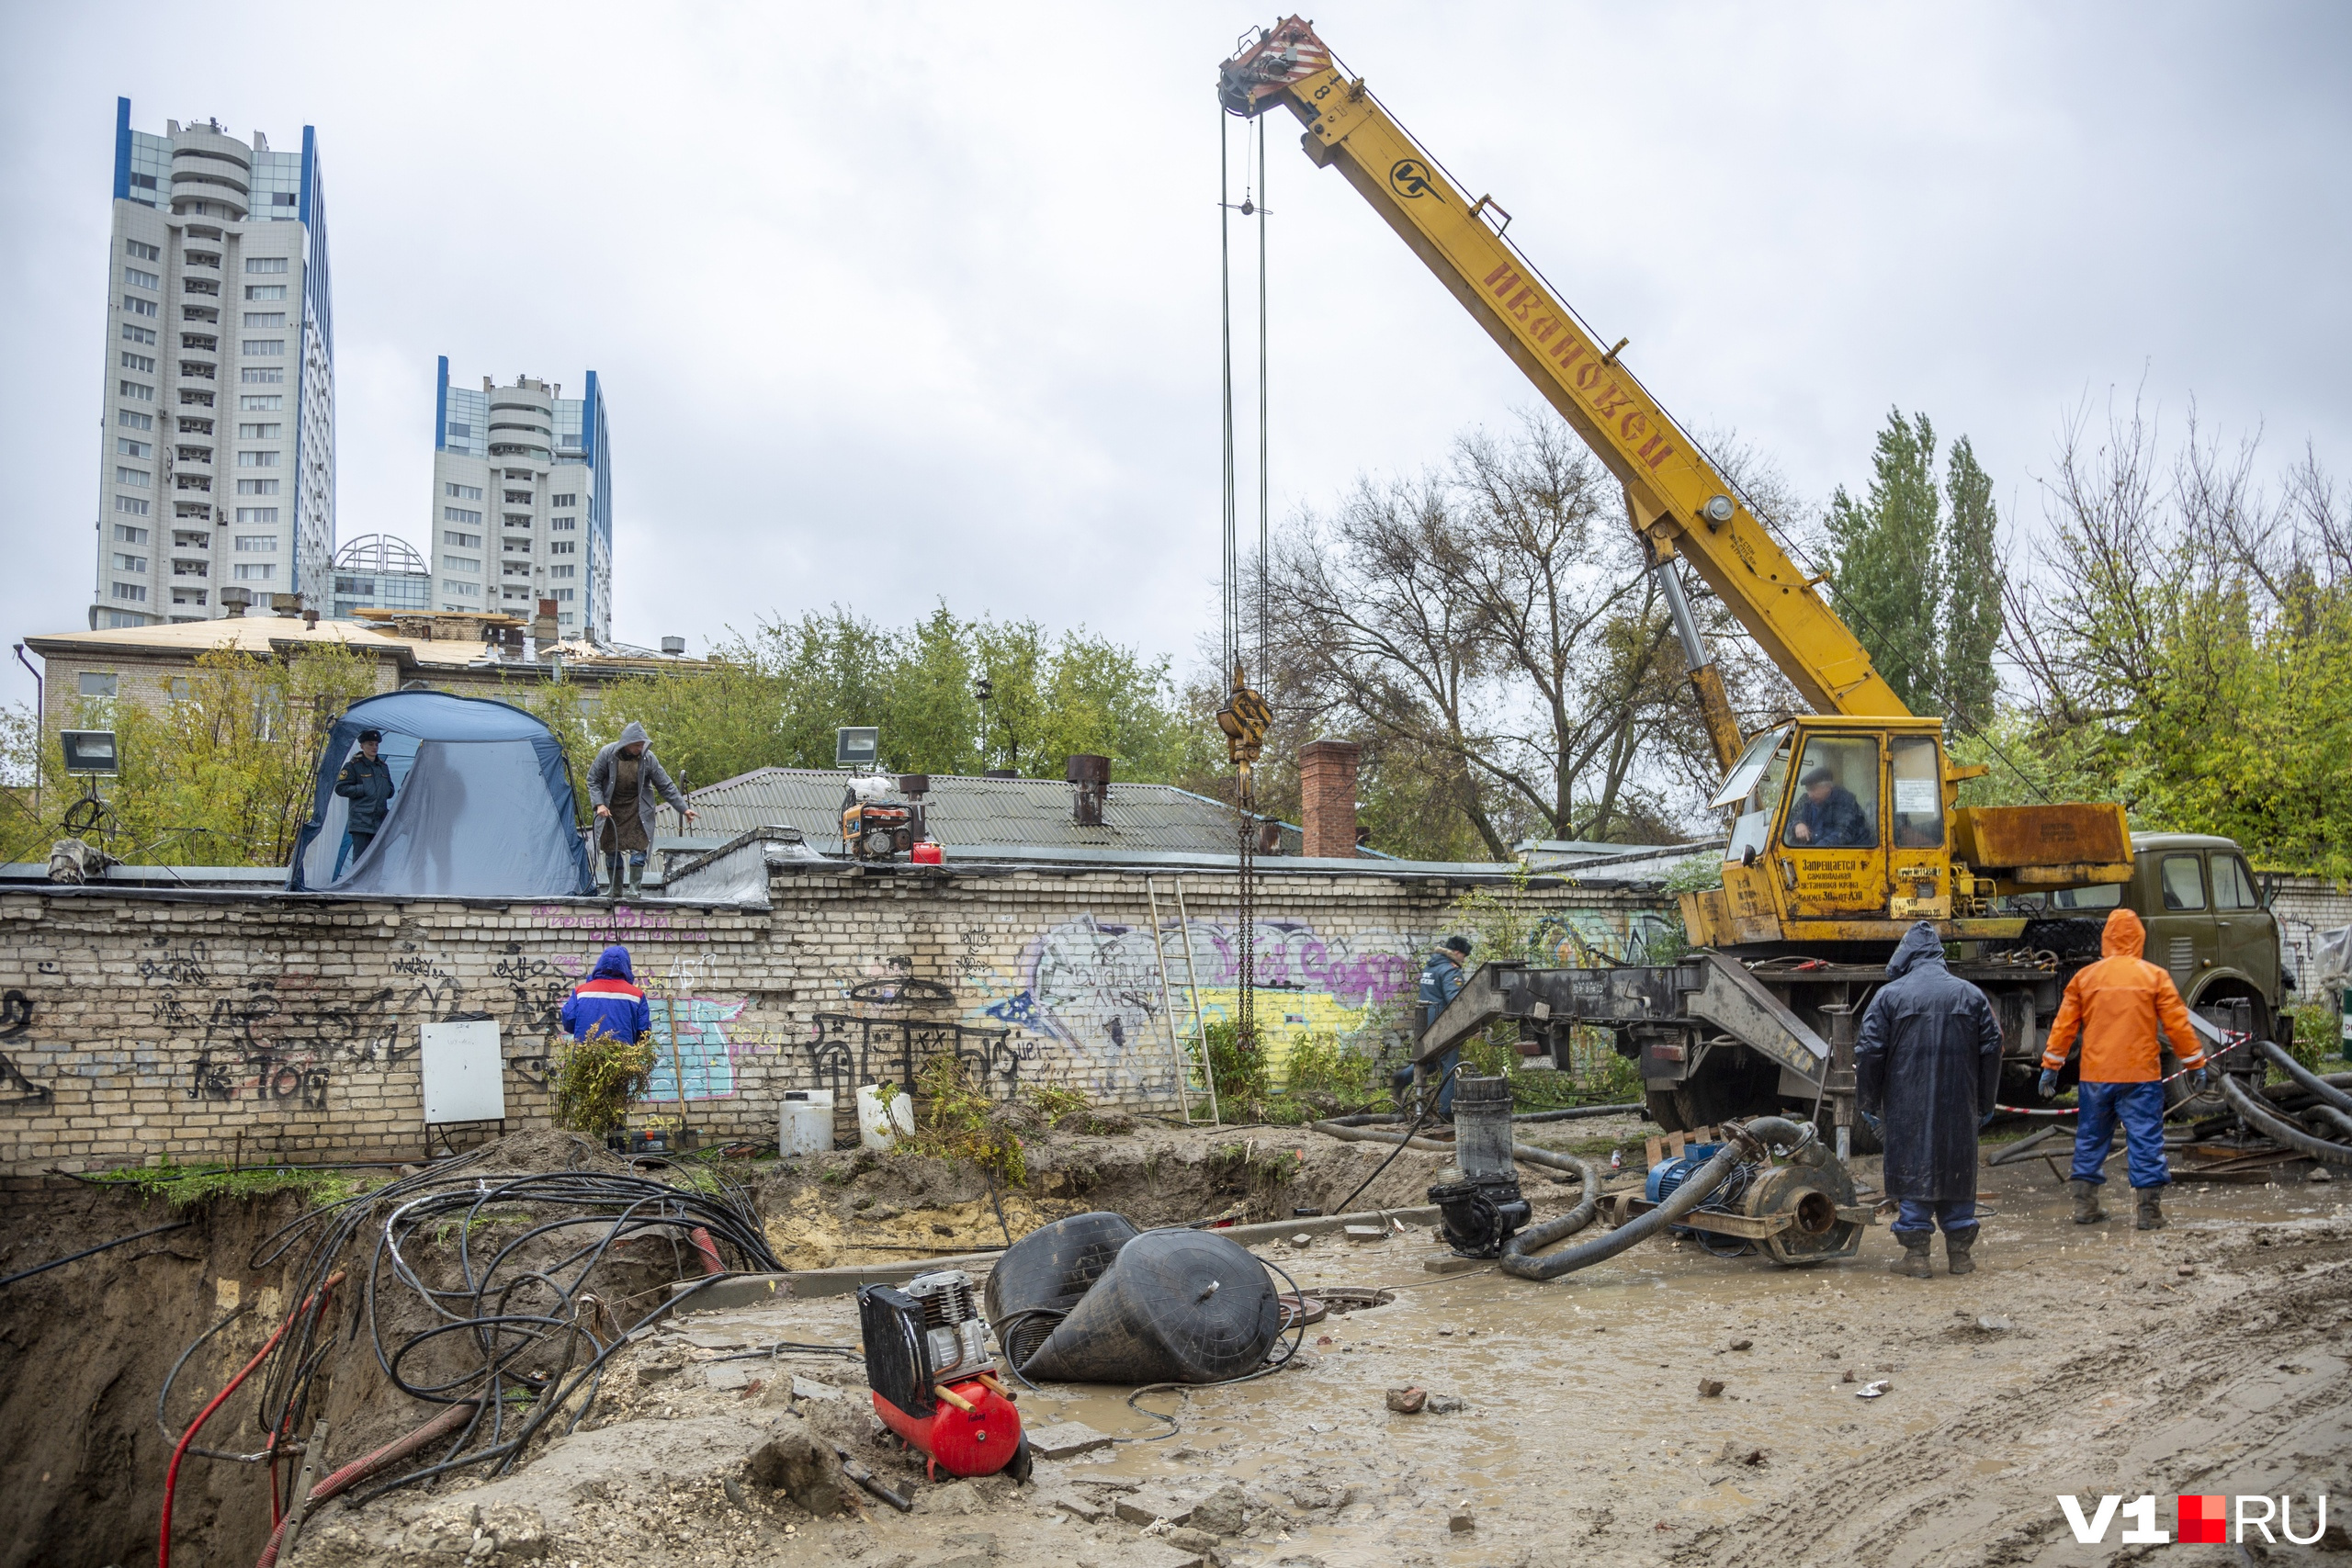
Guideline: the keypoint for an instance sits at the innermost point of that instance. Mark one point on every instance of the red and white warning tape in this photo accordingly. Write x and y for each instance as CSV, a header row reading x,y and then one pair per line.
x,y
2231,1038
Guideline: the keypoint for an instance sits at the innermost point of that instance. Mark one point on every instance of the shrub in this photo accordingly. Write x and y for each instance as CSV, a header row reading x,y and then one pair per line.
x,y
596,1079
954,1121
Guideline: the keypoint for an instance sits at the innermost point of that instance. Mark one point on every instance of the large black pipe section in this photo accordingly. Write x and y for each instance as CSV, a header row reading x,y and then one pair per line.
x,y
2275,1126
1339,1127
2304,1076
1751,1142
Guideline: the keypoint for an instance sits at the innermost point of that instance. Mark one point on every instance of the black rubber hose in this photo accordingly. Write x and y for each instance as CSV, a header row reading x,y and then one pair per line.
x,y
1562,1226
1576,1112
2303,1076
1740,1144
2277,1127
87,1251
2026,1146
1569,1165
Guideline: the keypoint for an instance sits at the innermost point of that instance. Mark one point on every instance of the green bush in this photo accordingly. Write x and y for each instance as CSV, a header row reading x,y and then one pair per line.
x,y
596,1078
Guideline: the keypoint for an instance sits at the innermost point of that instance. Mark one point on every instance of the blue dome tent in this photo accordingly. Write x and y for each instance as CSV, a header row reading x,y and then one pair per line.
x,y
481,806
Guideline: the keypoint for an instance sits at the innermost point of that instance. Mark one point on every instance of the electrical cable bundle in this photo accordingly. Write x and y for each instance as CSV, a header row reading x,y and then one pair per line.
x,y
534,1338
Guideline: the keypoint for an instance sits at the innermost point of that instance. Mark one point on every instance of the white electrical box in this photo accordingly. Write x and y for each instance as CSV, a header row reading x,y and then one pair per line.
x,y
465,1076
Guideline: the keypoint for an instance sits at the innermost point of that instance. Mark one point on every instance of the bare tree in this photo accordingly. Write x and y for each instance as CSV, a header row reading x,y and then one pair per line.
x,y
1497,619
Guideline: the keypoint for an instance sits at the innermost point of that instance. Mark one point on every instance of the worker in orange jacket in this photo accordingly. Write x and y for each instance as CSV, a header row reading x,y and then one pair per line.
x,y
2116,1007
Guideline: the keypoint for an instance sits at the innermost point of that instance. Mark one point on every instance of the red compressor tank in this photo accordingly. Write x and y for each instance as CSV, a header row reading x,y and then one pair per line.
x,y
927,1361
978,1441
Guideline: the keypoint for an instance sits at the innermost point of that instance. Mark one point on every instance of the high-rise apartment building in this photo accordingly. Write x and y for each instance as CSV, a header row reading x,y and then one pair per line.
x,y
216,470
523,502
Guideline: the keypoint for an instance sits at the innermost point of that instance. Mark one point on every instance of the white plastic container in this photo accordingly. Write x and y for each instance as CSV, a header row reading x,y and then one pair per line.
x,y
878,1127
805,1123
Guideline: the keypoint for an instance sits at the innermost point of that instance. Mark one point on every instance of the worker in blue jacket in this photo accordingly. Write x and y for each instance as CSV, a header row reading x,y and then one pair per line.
x,y
608,1002
1441,981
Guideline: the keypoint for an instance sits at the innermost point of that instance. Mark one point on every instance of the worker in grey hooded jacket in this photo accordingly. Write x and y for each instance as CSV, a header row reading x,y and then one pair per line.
x,y
626,784
1927,1066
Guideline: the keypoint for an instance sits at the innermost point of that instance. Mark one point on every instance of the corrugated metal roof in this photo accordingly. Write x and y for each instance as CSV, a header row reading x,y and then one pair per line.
x,y
970,812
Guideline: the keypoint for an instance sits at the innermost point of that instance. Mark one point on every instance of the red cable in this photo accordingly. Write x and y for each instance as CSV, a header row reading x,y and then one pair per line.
x,y
172,1473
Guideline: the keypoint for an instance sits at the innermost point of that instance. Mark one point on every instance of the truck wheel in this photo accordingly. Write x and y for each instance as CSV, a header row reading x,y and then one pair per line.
x,y
1662,1110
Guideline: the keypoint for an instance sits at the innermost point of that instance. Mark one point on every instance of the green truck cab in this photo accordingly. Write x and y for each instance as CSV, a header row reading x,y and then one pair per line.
x,y
2209,921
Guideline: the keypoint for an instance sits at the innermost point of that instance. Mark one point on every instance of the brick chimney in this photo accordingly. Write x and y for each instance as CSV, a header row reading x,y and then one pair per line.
x,y
1327,790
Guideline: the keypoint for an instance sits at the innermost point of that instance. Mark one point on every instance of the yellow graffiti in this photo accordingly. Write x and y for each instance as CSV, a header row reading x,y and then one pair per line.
x,y
1284,1018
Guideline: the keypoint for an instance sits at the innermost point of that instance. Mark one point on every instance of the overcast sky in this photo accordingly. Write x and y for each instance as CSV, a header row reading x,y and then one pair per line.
x,y
898,303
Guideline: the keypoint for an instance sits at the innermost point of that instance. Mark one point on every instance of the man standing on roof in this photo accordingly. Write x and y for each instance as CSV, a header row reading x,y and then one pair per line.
x,y
608,1002
1441,981
1927,1064
626,783
365,782
2116,1007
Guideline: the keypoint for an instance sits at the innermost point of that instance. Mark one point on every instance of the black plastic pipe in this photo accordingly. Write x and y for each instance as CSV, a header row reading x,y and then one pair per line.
x,y
87,1251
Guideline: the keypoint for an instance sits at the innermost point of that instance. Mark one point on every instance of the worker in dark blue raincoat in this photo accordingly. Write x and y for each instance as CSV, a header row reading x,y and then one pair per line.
x,y
1927,1066
1441,981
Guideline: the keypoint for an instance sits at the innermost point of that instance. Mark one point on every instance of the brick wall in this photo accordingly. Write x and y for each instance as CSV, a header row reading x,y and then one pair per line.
x,y
199,1026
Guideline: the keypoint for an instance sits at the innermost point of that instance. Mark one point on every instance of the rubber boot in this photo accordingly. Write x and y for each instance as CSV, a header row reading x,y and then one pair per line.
x,y
635,877
2152,1209
613,877
1956,1246
1914,1264
2086,1209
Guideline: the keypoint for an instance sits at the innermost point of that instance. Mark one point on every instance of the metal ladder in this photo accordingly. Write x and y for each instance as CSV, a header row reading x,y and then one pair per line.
x,y
1177,1056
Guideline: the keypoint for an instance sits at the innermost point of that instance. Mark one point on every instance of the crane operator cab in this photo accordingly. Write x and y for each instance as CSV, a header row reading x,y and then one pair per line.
x,y
1844,829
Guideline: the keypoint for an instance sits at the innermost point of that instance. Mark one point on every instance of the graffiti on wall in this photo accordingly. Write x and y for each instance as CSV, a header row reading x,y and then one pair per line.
x,y
1097,988
16,1022
1577,939
690,1040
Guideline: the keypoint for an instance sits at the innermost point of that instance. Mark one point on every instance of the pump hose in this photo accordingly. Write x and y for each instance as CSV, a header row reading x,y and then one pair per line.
x,y
1740,1144
2281,1129
2304,1076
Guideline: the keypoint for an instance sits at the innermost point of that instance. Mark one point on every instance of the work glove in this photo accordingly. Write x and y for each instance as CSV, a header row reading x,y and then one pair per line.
x,y
1988,1117
2201,1077
1872,1122
2049,1083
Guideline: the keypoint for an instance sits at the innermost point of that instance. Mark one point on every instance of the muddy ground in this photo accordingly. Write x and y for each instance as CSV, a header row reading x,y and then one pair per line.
x,y
2210,1356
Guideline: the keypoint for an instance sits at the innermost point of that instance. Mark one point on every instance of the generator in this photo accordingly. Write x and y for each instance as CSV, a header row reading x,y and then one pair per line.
x,y
933,1380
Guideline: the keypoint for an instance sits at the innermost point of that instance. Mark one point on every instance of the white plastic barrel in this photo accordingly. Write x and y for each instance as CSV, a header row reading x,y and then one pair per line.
x,y
805,1123
880,1128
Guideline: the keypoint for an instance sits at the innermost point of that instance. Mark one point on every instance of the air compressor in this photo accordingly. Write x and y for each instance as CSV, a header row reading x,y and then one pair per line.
x,y
935,1383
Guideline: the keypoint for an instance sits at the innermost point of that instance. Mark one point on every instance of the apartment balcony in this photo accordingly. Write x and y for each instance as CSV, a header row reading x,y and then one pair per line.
x,y
193,457
208,314
210,286
201,258
191,568
198,482
199,371
200,343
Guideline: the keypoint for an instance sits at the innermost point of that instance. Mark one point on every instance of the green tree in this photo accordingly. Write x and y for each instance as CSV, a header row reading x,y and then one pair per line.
x,y
1972,581
1920,585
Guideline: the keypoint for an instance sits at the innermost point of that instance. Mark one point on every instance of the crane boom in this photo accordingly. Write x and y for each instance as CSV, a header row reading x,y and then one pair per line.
x,y
1679,503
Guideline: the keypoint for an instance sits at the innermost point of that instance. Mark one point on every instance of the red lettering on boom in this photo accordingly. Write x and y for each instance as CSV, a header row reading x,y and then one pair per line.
x,y
1518,303
1633,424
1607,404
1655,450
1501,280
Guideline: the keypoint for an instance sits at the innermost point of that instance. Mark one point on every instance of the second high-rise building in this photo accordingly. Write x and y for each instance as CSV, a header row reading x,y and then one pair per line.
x,y
522,502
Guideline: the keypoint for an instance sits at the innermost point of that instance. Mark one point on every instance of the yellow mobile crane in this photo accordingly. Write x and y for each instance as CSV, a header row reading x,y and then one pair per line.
x,y
1827,874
